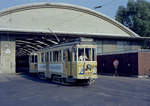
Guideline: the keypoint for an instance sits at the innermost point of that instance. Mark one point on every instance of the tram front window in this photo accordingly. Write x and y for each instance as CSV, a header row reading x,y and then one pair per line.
x,y
81,54
86,54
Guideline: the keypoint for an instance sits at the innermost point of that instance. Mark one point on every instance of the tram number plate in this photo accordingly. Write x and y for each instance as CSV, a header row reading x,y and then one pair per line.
x,y
88,73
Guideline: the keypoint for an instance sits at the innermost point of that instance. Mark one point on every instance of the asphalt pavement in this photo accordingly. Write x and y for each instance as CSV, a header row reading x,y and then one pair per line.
x,y
25,90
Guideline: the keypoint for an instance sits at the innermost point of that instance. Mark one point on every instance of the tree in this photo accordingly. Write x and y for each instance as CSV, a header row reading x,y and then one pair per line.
x,y
136,16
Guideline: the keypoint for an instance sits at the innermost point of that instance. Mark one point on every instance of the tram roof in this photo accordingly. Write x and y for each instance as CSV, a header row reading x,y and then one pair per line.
x,y
80,41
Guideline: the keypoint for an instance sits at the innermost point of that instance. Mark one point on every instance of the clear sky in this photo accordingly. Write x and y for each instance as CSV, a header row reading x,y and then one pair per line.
x,y
109,6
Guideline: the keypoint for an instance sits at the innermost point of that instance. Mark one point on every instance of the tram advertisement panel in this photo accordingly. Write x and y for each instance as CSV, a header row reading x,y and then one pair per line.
x,y
56,67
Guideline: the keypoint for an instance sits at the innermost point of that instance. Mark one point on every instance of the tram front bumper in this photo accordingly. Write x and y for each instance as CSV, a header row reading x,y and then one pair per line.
x,y
87,77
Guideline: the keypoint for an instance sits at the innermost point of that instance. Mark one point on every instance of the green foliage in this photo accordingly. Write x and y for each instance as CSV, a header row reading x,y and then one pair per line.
x,y
136,16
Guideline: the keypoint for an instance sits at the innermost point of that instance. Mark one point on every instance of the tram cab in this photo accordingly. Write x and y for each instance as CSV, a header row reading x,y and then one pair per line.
x,y
84,64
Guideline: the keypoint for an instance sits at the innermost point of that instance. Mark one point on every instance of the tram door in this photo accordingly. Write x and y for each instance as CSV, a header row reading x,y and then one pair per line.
x,y
68,62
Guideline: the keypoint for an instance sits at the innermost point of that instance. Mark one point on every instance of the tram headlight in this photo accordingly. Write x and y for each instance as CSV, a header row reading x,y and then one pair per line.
x,y
95,70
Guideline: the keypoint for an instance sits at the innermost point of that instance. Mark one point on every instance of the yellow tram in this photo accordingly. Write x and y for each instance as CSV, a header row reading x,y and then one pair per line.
x,y
71,62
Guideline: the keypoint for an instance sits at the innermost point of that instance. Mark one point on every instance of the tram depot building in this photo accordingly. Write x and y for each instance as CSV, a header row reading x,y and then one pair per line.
x,y
28,28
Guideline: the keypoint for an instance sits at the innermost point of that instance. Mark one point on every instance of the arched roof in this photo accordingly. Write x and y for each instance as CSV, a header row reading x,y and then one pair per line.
x,y
60,18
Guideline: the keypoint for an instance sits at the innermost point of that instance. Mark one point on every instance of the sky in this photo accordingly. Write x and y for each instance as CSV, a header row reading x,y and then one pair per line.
x,y
109,7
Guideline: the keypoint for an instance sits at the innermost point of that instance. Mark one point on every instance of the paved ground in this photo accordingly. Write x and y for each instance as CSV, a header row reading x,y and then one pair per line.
x,y
23,90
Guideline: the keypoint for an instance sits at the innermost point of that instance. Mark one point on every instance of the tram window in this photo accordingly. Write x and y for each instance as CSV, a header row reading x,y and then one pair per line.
x,y
32,58
64,55
47,57
38,57
81,54
50,56
74,54
69,56
42,57
35,58
55,56
93,54
59,59
88,54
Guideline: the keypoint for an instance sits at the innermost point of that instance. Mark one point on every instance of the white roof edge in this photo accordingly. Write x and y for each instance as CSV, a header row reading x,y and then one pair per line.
x,y
112,21
61,32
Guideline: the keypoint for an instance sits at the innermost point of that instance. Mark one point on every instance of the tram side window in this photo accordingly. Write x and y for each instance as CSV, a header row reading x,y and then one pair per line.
x,y
55,56
59,56
35,58
39,57
50,56
74,54
47,57
64,55
69,56
42,57
32,59
93,54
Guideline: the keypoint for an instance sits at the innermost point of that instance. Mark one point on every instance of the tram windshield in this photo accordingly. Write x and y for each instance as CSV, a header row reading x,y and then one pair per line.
x,y
85,54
